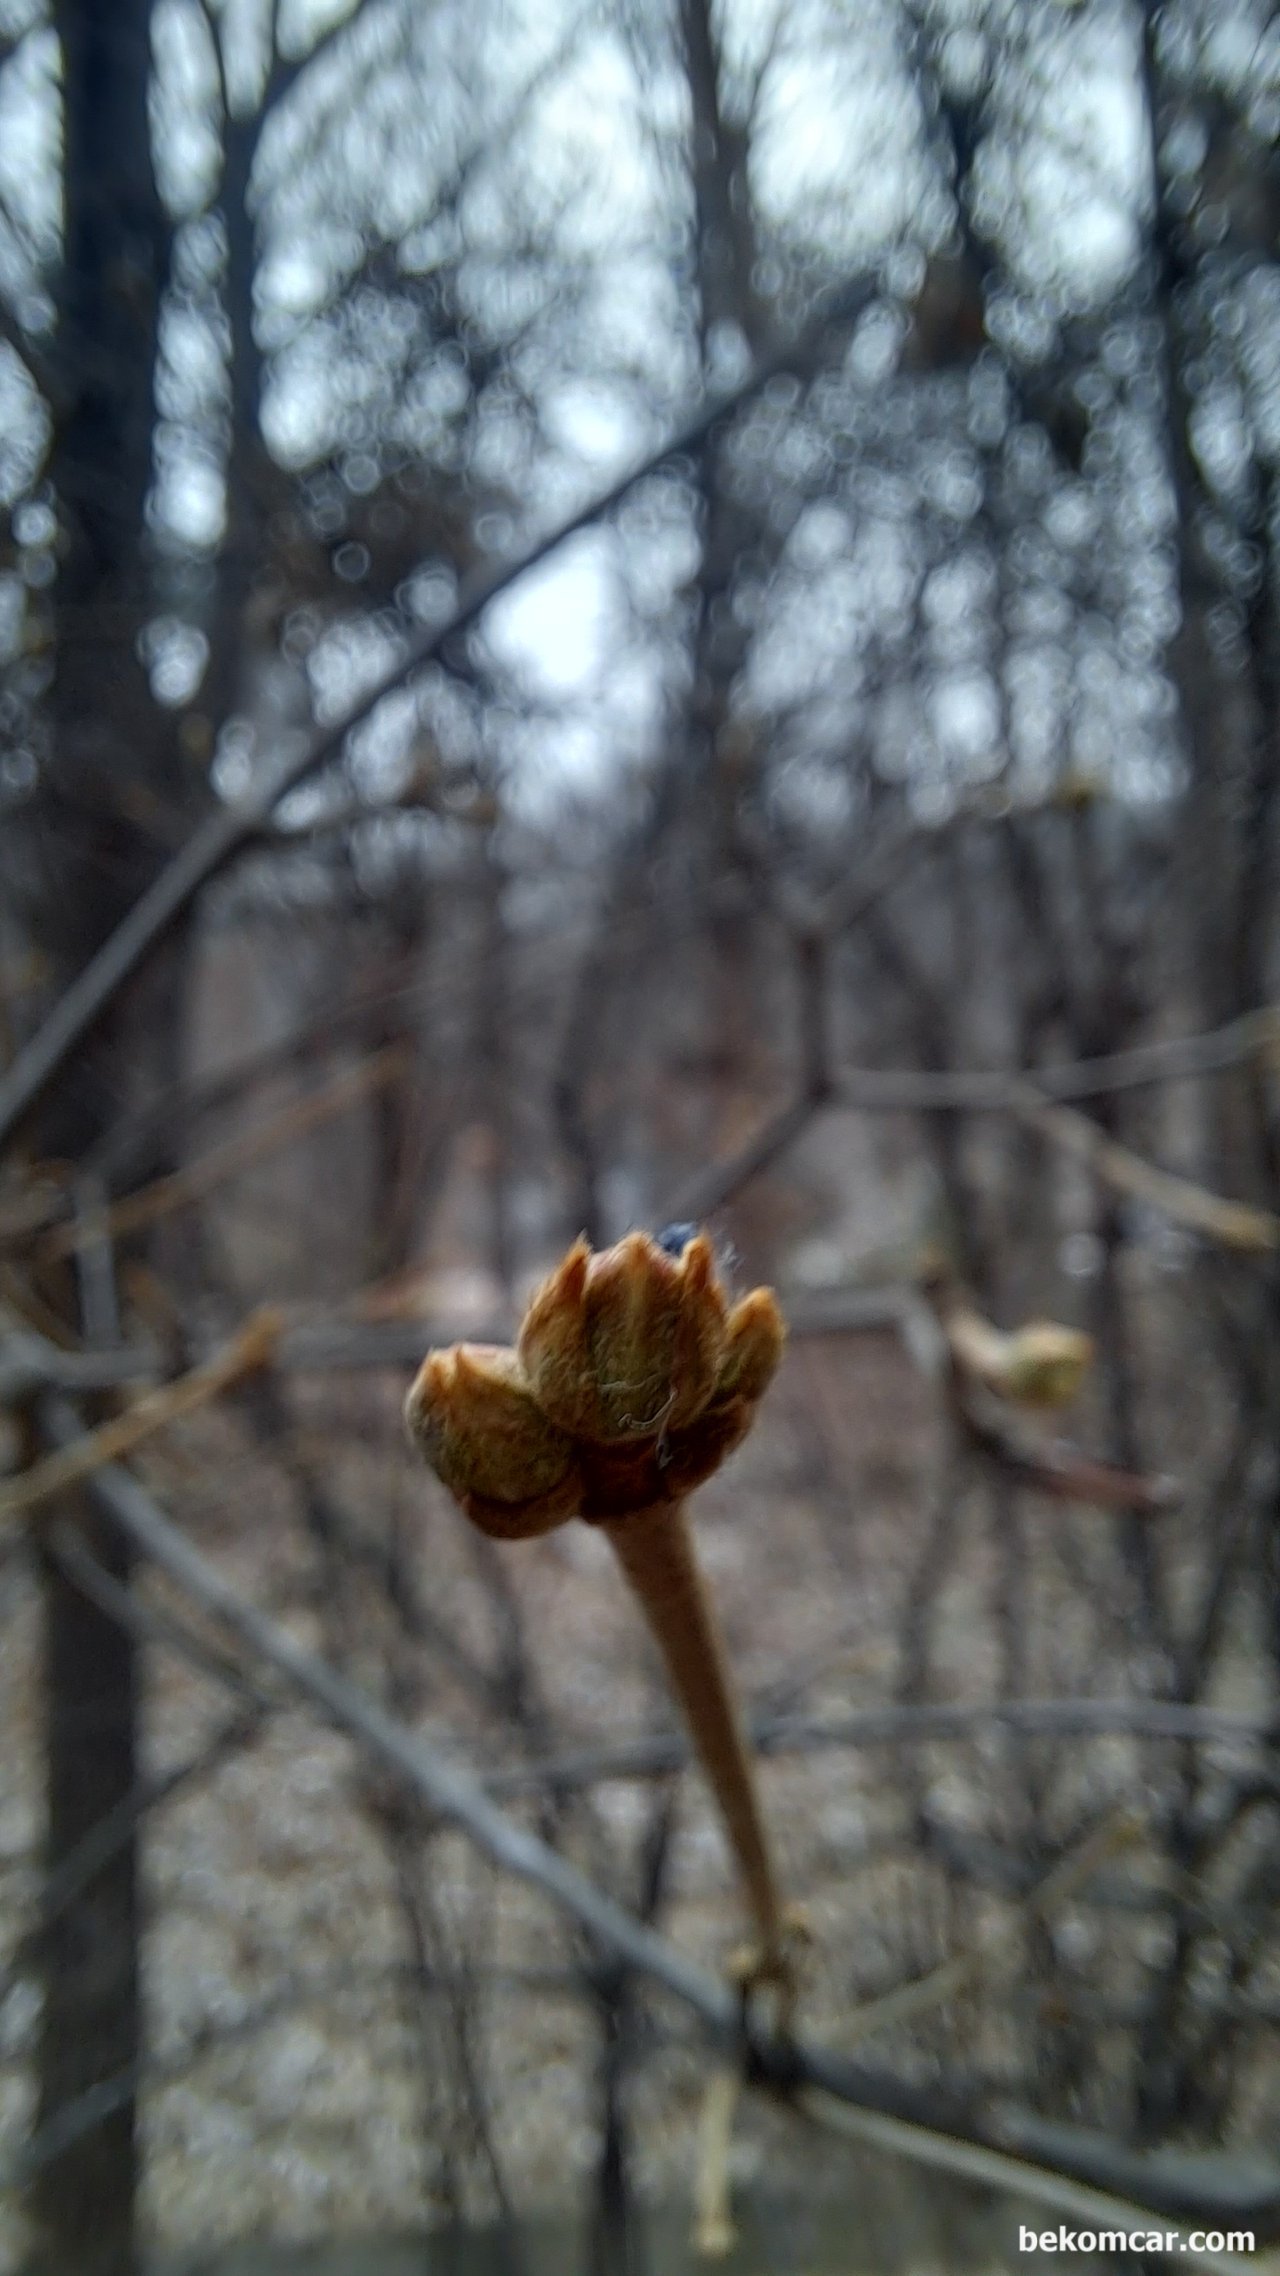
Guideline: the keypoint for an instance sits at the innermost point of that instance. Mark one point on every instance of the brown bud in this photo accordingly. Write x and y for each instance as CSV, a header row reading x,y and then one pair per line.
x,y
1039,1365
630,1387
475,1419
625,1344
692,1455
1045,1364
553,1344
523,1521
753,1347
700,1332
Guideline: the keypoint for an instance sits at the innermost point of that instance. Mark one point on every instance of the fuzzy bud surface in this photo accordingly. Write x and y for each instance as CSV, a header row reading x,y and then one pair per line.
x,y
631,1381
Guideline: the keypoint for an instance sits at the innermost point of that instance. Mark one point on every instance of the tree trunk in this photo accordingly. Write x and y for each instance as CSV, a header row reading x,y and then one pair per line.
x,y
98,831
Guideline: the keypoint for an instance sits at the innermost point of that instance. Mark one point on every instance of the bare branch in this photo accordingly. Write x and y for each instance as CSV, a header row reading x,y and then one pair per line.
x,y
1233,1224
1182,1058
88,2110
154,1623
782,2065
449,1792
224,832
944,2154
908,2000
83,1864
655,1754
324,1030
1034,1097
80,1456
197,1179
709,1191
1062,1471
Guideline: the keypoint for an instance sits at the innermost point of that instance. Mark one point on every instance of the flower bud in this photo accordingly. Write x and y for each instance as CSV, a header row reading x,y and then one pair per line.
x,y
700,1332
1039,1365
630,1387
554,1352
475,1419
693,1455
523,1521
625,1344
753,1347
1045,1364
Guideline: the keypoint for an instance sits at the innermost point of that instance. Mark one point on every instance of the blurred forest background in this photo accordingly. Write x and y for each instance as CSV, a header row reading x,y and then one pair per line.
x,y
612,612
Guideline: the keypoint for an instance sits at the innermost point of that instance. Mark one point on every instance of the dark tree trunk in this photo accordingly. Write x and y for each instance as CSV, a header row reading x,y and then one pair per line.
x,y
98,832
84,2200
722,757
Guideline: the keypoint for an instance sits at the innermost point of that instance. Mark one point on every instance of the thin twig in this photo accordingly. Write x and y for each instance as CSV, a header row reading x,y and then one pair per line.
x,y
907,2001
994,2169
700,1196
655,1549
1062,1471
198,1179
1234,1224
653,1754
323,1030
151,1623
78,1457
714,2232
104,1841
162,2068
335,1344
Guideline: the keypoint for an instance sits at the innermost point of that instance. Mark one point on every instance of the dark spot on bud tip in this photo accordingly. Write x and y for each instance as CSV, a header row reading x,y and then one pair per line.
x,y
675,1239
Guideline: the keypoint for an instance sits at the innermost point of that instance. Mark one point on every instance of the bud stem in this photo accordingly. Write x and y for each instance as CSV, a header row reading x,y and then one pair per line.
x,y
655,1549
